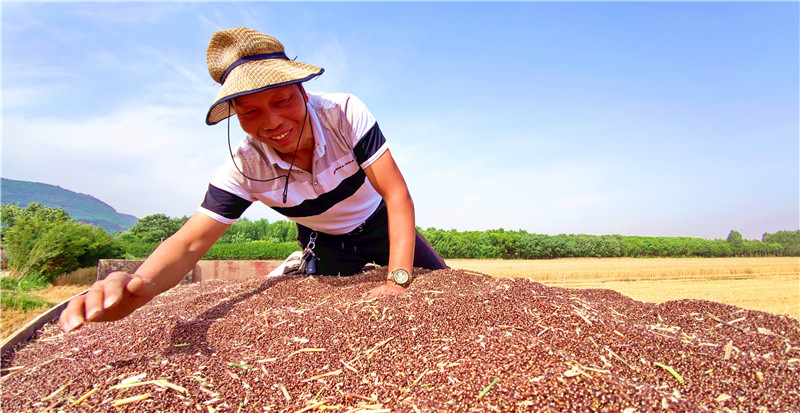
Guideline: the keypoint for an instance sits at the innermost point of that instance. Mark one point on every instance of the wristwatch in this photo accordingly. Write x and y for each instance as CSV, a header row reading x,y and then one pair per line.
x,y
400,277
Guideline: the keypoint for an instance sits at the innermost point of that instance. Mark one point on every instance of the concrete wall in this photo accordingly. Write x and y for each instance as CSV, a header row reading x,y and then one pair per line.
x,y
230,270
204,270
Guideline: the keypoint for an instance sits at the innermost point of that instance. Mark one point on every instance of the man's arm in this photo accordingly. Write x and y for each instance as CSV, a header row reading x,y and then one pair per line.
x,y
120,293
385,177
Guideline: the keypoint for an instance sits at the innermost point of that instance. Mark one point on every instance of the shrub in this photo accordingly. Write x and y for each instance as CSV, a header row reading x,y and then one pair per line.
x,y
44,240
8,283
14,292
256,250
135,250
35,281
154,228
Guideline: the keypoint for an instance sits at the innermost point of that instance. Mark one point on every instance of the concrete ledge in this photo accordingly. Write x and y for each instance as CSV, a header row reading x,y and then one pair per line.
x,y
204,270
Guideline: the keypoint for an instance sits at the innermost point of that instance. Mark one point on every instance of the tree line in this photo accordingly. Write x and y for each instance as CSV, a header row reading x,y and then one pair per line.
x,y
44,240
245,241
157,227
524,245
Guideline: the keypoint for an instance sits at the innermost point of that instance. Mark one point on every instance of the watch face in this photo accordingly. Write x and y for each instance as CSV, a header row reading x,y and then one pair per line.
x,y
400,276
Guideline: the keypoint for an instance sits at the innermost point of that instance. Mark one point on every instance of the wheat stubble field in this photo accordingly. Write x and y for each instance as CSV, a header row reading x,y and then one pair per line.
x,y
770,284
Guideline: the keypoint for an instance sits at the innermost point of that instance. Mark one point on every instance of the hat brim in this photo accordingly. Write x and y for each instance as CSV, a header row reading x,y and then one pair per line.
x,y
257,76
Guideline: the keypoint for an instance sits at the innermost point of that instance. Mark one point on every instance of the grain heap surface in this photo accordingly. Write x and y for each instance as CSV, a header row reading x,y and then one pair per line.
x,y
457,341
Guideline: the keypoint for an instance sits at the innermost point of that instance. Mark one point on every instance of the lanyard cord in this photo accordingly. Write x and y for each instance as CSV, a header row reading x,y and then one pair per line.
x,y
285,185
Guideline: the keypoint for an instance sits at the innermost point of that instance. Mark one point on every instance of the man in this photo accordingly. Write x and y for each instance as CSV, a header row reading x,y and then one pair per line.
x,y
318,159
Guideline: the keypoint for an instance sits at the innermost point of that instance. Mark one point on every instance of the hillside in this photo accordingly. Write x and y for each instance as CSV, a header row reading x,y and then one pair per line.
x,y
81,207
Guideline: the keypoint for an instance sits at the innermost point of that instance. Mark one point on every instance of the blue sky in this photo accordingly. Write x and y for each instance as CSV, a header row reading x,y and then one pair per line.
x,y
664,119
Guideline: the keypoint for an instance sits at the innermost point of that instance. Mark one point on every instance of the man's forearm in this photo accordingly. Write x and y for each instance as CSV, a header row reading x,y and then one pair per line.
x,y
170,262
402,234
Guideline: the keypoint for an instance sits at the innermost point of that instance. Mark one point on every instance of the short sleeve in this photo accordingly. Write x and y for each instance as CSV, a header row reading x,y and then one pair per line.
x,y
222,205
368,142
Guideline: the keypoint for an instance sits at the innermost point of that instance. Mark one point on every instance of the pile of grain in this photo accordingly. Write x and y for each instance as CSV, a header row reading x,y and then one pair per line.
x,y
457,341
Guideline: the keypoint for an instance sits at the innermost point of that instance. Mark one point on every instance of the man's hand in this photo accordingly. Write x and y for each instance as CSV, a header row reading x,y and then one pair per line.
x,y
110,299
385,289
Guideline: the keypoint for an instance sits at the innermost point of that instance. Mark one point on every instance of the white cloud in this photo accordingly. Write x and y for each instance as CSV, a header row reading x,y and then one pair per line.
x,y
142,160
129,13
109,99
329,55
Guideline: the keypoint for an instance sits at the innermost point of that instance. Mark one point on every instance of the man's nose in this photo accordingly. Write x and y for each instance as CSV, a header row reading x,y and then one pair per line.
x,y
269,120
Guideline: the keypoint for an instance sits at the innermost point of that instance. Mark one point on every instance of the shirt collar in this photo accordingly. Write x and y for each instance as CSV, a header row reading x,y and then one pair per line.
x,y
319,136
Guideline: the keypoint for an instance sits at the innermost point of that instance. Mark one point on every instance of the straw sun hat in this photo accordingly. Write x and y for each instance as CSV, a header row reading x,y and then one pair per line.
x,y
245,61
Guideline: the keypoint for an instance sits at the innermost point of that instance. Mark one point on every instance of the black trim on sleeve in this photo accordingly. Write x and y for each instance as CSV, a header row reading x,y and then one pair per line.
x,y
224,203
324,202
369,144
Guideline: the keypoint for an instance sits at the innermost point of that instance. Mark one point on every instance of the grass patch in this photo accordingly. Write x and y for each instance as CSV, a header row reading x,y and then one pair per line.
x,y
12,318
28,283
12,300
24,299
9,283
33,282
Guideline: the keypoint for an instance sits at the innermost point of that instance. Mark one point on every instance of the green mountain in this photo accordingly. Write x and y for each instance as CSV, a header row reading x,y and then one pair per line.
x,y
80,207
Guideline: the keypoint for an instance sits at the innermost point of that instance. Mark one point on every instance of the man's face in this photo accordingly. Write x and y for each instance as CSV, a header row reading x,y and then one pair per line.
x,y
274,116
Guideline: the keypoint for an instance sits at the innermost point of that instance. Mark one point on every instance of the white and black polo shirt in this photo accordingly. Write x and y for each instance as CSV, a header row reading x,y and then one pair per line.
x,y
334,198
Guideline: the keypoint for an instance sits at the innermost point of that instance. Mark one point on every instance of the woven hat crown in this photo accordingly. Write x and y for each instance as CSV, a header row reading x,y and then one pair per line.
x,y
228,46
247,61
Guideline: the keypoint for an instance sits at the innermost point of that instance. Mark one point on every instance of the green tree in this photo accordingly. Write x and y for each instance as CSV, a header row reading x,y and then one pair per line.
x,y
39,239
10,213
721,248
736,241
281,231
561,247
788,240
534,246
155,228
505,244
245,230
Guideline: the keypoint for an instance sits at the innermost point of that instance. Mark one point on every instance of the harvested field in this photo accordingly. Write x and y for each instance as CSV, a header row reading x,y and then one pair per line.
x,y
770,284
457,341
776,294
630,269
